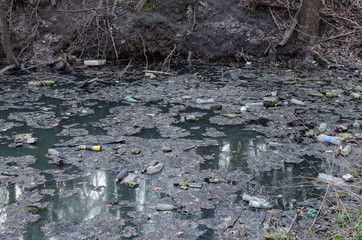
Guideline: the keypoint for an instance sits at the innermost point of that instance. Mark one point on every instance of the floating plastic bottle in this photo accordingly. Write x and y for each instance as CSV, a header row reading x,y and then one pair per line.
x,y
356,124
121,175
155,169
297,102
152,163
274,144
165,207
322,127
329,139
28,141
247,197
254,104
203,101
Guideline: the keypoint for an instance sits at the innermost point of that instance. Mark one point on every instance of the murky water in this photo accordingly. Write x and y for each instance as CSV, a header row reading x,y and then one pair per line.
x,y
89,195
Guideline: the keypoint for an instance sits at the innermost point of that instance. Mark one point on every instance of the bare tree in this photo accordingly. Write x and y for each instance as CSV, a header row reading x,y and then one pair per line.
x,y
309,20
6,38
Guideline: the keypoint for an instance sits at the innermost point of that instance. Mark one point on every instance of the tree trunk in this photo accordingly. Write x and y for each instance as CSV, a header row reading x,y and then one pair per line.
x,y
6,38
309,20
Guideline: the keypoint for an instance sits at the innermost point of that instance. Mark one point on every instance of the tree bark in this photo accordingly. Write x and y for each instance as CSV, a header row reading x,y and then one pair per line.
x,y
309,20
6,38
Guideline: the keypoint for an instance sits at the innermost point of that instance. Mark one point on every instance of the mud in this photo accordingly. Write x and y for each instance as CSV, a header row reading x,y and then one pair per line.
x,y
227,156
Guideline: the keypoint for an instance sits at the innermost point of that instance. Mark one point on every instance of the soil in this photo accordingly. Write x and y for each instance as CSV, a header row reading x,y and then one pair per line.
x,y
213,31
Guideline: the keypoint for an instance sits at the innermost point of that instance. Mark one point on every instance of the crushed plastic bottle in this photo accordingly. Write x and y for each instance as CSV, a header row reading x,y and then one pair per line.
x,y
155,169
329,139
203,101
346,150
152,163
322,127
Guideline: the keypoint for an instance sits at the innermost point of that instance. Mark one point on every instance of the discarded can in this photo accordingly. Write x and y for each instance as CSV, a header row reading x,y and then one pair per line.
x,y
165,207
322,127
329,139
59,162
121,175
89,147
155,169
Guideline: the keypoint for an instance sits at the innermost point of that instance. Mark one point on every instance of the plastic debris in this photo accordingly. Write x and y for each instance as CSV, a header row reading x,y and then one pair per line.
x,y
190,118
90,147
331,179
203,101
229,115
130,99
348,177
41,83
94,62
254,104
121,175
322,127
150,75
135,151
53,153
341,128
165,207
346,150
297,102
312,213
155,169
356,124
255,201
329,139
275,144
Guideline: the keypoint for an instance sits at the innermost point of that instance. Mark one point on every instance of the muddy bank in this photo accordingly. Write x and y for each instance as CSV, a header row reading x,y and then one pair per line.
x,y
173,31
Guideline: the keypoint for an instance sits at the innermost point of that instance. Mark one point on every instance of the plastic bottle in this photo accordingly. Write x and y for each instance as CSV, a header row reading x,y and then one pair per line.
x,y
254,104
121,175
274,144
296,102
247,197
329,139
257,204
283,103
322,127
155,169
152,163
165,207
203,101
28,141
356,124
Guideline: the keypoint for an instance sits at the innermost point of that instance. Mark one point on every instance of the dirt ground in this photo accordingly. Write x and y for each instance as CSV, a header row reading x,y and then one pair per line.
x,y
162,31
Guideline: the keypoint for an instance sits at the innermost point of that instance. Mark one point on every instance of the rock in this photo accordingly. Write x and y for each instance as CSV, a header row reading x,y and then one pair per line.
x,y
217,107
